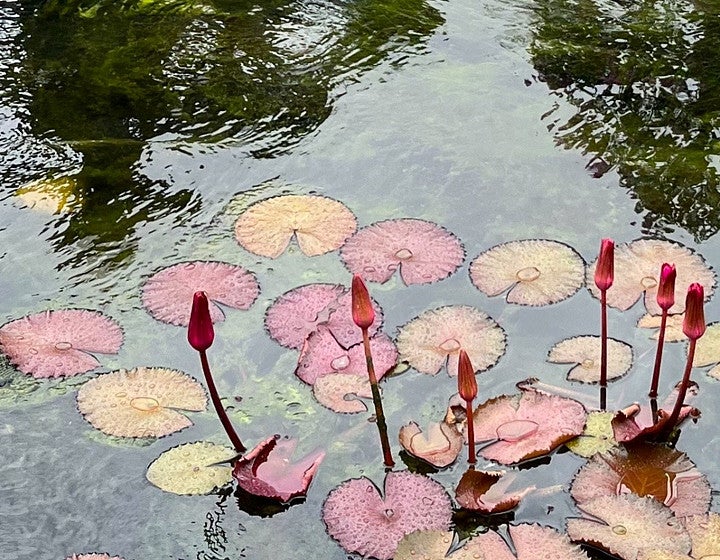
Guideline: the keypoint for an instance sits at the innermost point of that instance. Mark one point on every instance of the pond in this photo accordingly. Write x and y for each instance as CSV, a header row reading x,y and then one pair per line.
x,y
135,134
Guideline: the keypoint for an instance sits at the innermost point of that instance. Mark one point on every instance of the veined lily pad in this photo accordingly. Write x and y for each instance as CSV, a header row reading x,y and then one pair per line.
x,y
585,352
673,326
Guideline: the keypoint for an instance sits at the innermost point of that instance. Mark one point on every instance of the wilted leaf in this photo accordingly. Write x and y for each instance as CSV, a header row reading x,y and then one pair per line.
x,y
637,271
424,252
435,338
59,343
585,351
486,491
536,271
440,444
319,224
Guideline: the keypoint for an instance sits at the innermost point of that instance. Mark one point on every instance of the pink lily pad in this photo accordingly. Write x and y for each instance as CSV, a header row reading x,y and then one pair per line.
x,y
522,429
629,525
93,556
644,469
637,272
486,491
435,338
59,343
301,311
322,355
168,294
363,522
267,471
423,251
439,445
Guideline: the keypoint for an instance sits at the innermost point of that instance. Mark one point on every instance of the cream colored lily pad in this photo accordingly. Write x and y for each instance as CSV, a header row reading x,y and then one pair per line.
x,y
673,326
707,350
341,392
191,468
585,352
141,402
439,445
535,271
54,195
597,436
319,224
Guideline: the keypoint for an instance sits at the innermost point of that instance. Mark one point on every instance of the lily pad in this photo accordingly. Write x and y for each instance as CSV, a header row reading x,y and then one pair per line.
x,y
585,352
533,271
191,468
141,402
597,436
486,491
434,339
637,272
440,444
707,350
673,326
341,392
168,294
423,251
59,343
319,224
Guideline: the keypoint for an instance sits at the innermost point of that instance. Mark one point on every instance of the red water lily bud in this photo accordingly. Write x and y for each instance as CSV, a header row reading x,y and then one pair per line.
x,y
362,309
467,384
604,270
666,289
694,322
200,329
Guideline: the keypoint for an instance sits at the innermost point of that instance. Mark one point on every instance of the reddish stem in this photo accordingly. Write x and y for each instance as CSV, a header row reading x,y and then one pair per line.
x,y
658,357
471,432
603,349
224,420
379,414
682,391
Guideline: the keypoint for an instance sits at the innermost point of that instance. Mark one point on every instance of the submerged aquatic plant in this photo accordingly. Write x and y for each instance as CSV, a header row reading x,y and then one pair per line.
x,y
200,336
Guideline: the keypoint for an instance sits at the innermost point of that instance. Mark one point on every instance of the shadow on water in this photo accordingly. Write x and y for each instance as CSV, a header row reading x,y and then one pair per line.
x,y
644,78
101,79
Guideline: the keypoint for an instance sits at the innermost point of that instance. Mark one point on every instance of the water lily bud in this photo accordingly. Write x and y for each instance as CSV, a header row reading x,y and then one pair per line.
x,y
467,384
362,309
694,322
604,270
666,289
200,329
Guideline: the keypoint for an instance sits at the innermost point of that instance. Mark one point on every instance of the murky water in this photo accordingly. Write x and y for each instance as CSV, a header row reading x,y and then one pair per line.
x,y
162,124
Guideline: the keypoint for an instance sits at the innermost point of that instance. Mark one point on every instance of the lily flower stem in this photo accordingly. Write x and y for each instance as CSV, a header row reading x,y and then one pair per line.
x,y
684,384
603,349
471,433
658,357
217,403
379,414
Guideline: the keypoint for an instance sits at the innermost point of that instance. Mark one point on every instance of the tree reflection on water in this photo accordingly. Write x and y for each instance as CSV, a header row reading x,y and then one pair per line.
x,y
104,77
645,79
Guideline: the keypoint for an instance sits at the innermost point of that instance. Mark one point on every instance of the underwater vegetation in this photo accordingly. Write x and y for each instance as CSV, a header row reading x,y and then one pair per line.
x,y
637,495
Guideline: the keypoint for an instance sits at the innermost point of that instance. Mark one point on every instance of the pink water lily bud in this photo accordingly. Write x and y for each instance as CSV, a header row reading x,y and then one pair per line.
x,y
200,329
666,289
362,310
694,322
467,384
604,270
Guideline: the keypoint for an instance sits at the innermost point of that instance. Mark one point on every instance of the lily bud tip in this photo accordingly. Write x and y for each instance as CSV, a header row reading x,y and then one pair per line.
x,y
200,328
363,313
605,267
694,321
467,384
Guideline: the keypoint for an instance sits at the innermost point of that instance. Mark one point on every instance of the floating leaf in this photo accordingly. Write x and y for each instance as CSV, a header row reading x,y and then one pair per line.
x,y
436,336
629,524
363,522
168,294
536,271
704,533
141,402
644,469
267,471
597,436
707,350
522,427
486,491
585,351
59,343
673,326
439,445
637,270
319,224
423,251
191,468
93,556
336,391
55,195
322,355
301,311
530,542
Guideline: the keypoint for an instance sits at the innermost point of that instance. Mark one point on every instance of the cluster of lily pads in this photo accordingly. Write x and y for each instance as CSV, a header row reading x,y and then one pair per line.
x,y
639,497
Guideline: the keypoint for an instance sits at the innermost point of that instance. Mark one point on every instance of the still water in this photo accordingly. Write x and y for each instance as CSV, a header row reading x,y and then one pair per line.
x,y
161,121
